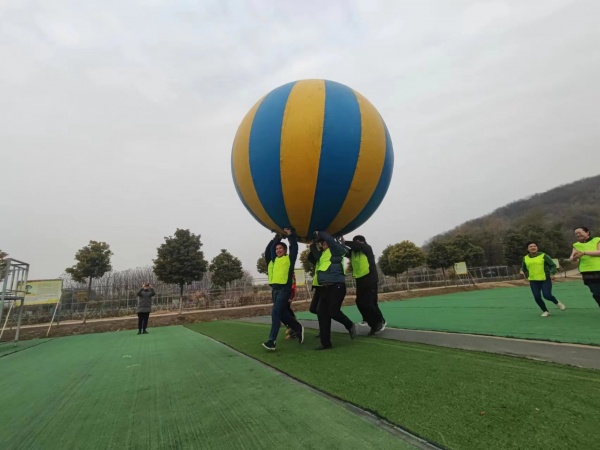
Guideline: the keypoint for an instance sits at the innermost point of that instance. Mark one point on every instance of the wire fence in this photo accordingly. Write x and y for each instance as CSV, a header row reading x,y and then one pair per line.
x,y
110,298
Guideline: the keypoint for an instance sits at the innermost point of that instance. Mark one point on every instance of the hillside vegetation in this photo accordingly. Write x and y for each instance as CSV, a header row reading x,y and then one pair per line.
x,y
547,218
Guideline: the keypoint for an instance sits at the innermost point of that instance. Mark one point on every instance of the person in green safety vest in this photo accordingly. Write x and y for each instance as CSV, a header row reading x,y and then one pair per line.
x,y
332,281
364,271
280,270
289,333
587,251
539,269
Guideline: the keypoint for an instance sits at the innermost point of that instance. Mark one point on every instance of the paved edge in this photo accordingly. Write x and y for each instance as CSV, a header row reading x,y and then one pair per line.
x,y
577,355
371,417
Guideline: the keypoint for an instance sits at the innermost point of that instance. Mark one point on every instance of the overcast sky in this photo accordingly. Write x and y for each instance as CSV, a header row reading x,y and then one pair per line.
x,y
117,117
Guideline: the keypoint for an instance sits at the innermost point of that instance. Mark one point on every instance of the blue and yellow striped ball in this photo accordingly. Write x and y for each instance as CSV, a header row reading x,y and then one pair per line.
x,y
312,155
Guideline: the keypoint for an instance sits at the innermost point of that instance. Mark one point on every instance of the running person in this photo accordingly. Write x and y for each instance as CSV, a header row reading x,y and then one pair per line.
x,y
539,269
587,251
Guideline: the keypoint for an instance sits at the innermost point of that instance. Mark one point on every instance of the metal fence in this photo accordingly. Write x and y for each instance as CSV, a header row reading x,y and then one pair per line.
x,y
116,300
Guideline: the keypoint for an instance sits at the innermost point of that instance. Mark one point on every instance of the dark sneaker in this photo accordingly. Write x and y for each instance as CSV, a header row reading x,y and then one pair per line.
x,y
269,345
377,328
324,347
139,332
301,335
352,331
144,332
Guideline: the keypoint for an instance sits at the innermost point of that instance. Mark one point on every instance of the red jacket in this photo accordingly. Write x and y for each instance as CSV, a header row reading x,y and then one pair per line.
x,y
293,287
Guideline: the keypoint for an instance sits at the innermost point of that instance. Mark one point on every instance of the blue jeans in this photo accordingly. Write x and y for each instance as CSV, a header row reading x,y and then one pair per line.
x,y
539,288
281,312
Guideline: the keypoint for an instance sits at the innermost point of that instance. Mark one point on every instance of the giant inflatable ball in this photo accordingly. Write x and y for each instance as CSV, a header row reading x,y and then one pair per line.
x,y
312,155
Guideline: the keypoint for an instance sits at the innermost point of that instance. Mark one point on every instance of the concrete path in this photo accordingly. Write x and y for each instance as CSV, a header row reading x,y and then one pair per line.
x,y
570,354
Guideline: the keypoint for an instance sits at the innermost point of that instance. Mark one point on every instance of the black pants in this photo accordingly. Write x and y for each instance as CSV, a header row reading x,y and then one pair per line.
x,y
143,321
366,302
290,310
595,290
315,300
329,307
539,288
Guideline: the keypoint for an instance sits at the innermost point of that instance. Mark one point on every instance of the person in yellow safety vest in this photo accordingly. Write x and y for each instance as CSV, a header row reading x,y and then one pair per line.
x,y
364,271
587,251
539,268
280,270
332,281
289,334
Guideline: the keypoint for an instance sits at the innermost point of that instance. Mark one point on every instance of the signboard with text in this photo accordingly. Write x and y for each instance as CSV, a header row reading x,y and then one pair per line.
x,y
41,292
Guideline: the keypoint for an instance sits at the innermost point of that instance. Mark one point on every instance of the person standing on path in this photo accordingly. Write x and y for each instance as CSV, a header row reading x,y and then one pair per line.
x,y
144,295
539,269
587,251
332,281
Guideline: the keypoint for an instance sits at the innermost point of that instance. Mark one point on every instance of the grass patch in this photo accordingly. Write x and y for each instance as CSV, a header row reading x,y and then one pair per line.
x,y
170,389
440,393
7,348
509,312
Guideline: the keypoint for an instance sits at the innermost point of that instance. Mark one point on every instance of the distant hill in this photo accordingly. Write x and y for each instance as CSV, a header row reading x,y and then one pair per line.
x,y
564,207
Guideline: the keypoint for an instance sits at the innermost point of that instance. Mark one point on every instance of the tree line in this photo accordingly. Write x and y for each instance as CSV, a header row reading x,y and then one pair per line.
x,y
179,261
492,246
548,218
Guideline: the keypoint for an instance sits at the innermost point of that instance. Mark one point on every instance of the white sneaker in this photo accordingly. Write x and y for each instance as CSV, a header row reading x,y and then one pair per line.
x,y
545,314
362,324
561,306
383,326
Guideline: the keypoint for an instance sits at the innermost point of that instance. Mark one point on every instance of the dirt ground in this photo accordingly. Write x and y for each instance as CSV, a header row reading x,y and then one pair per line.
x,y
167,319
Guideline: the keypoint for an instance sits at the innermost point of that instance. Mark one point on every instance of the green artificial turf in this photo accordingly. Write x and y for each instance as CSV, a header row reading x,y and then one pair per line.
x,y
458,399
170,389
509,312
6,348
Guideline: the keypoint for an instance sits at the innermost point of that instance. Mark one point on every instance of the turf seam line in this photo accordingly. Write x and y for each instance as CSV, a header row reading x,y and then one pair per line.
x,y
26,348
371,416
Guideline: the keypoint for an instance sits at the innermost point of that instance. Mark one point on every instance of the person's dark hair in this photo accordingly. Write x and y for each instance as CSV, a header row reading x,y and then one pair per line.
x,y
359,238
529,243
283,244
581,228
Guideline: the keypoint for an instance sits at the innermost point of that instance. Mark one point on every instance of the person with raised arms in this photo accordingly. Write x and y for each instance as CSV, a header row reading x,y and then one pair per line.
x,y
280,271
332,291
364,271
